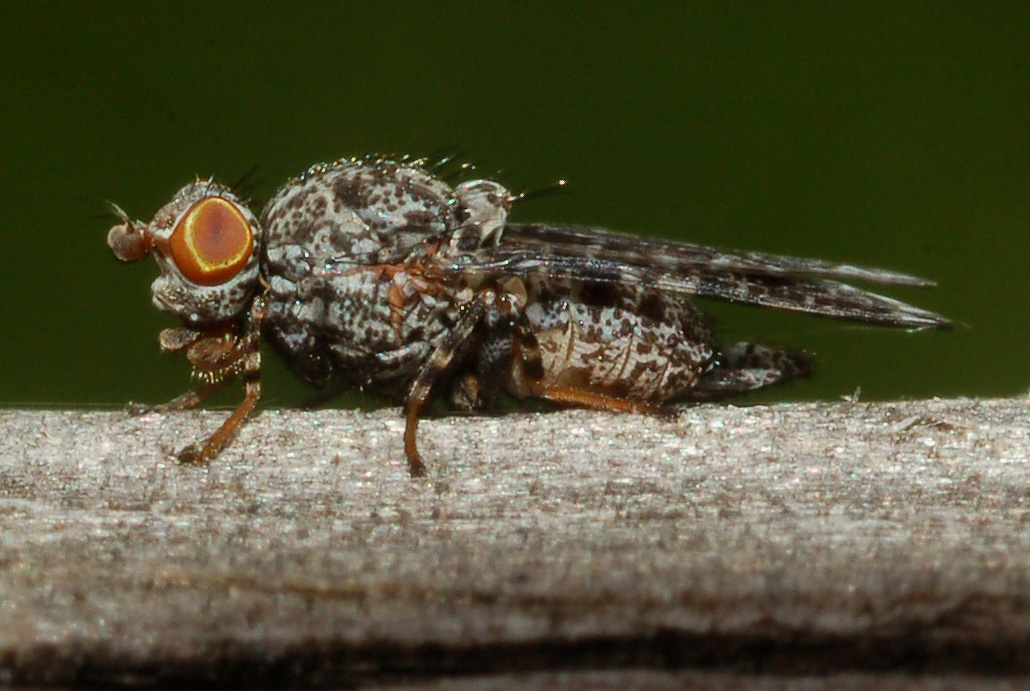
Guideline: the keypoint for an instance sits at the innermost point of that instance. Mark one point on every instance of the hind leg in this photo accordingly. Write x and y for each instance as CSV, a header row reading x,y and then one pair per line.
x,y
746,367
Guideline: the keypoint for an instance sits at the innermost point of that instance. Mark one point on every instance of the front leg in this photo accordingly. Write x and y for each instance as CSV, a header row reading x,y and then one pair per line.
x,y
248,355
171,341
188,400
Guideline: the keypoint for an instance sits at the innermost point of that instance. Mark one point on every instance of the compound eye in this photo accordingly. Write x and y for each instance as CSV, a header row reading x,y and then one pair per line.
x,y
212,242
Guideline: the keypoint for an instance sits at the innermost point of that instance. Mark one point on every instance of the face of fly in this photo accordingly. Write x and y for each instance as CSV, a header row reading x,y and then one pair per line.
x,y
205,241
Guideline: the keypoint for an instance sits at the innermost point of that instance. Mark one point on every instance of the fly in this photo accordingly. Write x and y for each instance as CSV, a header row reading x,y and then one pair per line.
x,y
376,273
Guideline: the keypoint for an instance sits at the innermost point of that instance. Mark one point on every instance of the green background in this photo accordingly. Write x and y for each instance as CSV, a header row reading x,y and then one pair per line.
x,y
880,133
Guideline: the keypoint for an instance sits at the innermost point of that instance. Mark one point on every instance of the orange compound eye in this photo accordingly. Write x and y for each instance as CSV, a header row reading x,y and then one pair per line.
x,y
212,242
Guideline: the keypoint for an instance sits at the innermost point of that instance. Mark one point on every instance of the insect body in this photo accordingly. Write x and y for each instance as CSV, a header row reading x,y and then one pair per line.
x,y
375,273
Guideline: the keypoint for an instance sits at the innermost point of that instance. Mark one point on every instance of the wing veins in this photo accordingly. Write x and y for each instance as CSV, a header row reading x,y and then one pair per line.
x,y
811,296
676,257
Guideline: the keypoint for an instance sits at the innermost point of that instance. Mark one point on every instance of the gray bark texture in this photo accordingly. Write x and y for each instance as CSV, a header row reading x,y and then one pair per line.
x,y
822,545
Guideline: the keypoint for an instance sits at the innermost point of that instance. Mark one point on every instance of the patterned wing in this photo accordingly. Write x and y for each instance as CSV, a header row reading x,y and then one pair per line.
x,y
595,255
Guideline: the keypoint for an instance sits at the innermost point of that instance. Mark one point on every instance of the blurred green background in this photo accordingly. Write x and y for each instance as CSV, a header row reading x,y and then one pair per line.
x,y
880,133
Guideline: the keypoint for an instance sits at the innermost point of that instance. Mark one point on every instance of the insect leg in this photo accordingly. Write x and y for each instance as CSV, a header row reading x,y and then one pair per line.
x,y
746,367
592,399
184,338
252,392
471,315
190,399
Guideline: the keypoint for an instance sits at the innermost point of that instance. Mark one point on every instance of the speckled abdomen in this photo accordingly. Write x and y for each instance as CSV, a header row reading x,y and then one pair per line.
x,y
623,342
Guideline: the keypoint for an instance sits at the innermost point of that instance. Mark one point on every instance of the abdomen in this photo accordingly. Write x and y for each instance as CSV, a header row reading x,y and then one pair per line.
x,y
629,343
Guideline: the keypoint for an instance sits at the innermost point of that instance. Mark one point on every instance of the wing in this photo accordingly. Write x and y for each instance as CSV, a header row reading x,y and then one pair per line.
x,y
595,255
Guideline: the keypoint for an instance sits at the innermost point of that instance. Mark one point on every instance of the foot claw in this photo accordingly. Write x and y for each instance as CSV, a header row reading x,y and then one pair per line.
x,y
134,409
667,412
190,454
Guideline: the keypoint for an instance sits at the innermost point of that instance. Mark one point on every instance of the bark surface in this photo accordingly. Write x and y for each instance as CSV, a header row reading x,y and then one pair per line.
x,y
796,542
